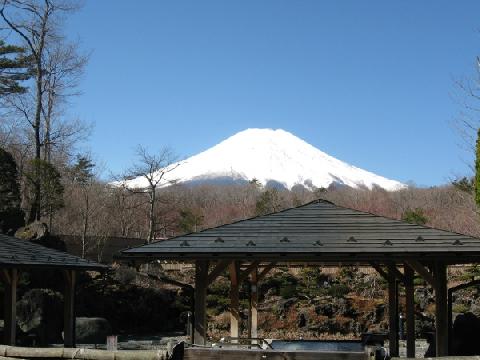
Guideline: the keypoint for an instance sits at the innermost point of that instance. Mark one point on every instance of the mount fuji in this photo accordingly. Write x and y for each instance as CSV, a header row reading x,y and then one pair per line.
x,y
273,158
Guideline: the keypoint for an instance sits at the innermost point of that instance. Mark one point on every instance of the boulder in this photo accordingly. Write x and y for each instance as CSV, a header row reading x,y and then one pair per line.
x,y
302,320
424,324
38,315
92,330
284,304
325,309
424,297
34,231
475,309
466,328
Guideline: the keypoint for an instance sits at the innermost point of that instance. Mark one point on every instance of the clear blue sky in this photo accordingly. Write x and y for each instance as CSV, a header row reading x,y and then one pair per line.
x,y
369,82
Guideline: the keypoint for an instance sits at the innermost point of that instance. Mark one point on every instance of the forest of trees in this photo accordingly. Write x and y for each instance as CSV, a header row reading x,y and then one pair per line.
x,y
44,177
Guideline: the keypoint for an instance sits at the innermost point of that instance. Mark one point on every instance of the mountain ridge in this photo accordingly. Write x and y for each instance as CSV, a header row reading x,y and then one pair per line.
x,y
272,155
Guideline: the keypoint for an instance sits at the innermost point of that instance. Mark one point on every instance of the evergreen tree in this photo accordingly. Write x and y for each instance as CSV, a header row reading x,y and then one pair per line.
x,y
9,189
14,69
190,220
11,215
416,216
50,184
268,202
82,170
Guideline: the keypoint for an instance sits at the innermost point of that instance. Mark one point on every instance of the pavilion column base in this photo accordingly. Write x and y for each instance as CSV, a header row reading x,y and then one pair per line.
x,y
234,300
69,309
410,310
200,318
253,309
10,280
393,311
441,316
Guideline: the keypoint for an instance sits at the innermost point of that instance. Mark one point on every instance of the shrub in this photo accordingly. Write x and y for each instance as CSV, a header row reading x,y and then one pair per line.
x,y
338,290
460,308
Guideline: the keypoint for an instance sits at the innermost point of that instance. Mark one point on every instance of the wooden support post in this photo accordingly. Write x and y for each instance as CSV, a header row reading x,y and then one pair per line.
x,y
10,279
69,309
392,310
200,317
410,310
253,308
441,318
234,300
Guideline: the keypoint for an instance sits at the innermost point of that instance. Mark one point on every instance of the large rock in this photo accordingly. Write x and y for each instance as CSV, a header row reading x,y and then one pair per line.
x,y
466,329
37,232
34,231
38,314
92,330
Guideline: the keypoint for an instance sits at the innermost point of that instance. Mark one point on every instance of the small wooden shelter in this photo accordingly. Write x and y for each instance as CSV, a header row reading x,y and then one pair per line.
x,y
18,255
321,234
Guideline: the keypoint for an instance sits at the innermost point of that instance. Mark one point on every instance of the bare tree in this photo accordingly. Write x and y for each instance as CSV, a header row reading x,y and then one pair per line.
x,y
64,68
37,25
467,122
153,169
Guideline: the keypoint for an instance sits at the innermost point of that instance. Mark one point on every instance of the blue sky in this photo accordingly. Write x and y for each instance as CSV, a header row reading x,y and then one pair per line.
x,y
369,82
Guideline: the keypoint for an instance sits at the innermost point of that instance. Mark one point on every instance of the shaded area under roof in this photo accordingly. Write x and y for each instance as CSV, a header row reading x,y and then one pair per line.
x,y
20,253
318,231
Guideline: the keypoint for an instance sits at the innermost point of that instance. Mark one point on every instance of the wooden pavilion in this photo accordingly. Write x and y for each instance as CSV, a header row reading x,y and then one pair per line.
x,y
18,255
320,234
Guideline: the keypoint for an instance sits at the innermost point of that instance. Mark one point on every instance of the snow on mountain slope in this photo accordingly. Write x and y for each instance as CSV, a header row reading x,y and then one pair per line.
x,y
272,155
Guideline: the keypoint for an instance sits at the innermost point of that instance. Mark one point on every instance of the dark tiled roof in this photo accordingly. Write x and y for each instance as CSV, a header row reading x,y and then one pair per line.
x,y
25,254
319,230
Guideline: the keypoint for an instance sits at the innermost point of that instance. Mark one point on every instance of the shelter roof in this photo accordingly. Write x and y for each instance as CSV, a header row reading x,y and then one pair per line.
x,y
20,253
318,231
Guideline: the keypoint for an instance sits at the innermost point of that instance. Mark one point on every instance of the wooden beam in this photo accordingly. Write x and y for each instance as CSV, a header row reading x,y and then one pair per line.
x,y
217,271
410,309
379,270
253,308
200,317
400,277
69,308
384,273
422,271
392,311
234,300
10,278
441,318
266,270
245,273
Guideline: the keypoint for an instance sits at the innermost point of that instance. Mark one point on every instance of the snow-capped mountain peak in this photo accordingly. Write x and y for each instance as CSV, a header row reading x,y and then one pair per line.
x,y
272,155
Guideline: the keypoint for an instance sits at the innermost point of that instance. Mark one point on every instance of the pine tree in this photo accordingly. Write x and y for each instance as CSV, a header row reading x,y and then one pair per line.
x,y
50,183
9,189
416,216
15,68
82,170
11,215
